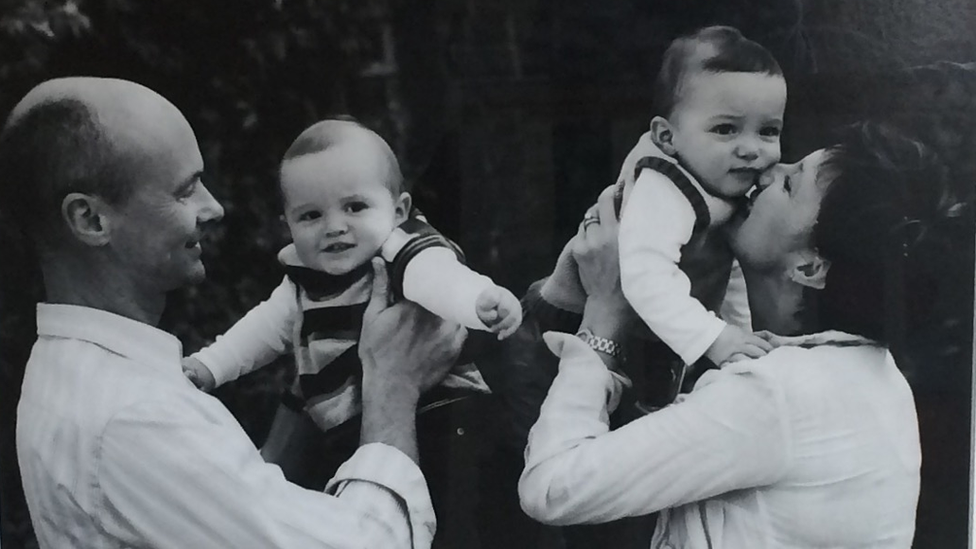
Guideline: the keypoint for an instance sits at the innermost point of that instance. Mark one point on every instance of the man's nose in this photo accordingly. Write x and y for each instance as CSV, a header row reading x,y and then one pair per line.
x,y
210,209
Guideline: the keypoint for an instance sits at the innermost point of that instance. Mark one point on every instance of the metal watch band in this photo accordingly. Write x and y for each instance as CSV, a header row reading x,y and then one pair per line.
x,y
601,344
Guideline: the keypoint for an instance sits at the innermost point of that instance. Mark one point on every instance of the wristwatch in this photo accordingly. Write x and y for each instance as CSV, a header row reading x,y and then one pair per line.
x,y
601,344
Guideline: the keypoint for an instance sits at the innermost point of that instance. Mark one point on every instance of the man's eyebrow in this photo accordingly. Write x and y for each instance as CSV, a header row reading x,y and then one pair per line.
x,y
190,181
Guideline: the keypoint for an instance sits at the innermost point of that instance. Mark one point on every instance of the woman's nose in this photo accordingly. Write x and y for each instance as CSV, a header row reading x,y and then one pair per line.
x,y
769,176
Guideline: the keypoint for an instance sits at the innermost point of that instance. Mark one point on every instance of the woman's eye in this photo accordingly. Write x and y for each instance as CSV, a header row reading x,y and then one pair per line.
x,y
787,184
310,216
356,207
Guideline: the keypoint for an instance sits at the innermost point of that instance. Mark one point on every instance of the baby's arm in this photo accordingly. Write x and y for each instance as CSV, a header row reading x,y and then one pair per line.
x,y
735,307
427,271
259,337
656,222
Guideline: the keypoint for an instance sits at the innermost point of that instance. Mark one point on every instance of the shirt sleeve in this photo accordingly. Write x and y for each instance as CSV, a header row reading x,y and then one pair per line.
x,y
657,221
434,278
730,433
259,337
170,482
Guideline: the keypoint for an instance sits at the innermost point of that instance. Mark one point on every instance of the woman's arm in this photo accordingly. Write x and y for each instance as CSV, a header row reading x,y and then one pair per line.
x,y
729,434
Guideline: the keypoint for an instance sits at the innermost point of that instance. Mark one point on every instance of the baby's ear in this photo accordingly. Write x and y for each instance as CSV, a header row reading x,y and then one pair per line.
x,y
811,271
402,206
662,135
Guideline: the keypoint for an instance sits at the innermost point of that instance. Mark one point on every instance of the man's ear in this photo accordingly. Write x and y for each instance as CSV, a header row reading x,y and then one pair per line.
x,y
84,216
402,207
810,270
663,135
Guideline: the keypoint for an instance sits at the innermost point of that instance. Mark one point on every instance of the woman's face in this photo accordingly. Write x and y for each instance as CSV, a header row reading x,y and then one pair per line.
x,y
781,215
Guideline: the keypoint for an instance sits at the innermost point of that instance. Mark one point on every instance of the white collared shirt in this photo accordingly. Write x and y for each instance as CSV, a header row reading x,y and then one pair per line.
x,y
803,448
118,449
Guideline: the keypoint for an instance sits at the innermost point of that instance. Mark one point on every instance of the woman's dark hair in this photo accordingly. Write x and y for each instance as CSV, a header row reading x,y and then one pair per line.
x,y
900,243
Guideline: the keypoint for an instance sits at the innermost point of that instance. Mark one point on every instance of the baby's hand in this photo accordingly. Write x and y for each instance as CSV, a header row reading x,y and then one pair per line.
x,y
199,374
734,343
500,310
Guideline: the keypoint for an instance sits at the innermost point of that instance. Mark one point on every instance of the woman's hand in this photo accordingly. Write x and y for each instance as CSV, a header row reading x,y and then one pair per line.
x,y
595,251
596,254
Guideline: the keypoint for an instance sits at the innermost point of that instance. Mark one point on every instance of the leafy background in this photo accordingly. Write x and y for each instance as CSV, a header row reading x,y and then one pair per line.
x,y
508,117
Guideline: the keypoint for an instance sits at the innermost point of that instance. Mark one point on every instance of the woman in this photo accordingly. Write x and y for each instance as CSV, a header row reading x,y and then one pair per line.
x,y
814,445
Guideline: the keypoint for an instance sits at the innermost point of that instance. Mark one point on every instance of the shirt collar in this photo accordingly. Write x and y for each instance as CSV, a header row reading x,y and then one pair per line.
x,y
833,337
130,338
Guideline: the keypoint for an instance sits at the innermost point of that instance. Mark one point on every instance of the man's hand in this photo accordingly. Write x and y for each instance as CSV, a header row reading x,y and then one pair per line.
x,y
734,344
199,374
405,350
500,310
404,347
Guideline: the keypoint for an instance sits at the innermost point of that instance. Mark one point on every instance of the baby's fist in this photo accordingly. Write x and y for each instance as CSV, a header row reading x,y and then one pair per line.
x,y
499,310
199,374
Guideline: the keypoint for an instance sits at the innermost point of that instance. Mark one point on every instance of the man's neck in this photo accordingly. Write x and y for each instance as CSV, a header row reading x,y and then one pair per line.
x,y
73,282
776,303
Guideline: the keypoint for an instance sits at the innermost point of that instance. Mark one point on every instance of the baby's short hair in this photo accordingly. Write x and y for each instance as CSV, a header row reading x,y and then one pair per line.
x,y
328,133
711,49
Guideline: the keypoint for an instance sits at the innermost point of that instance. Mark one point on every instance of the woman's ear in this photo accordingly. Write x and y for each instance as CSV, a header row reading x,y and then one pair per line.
x,y
86,219
663,135
403,205
810,270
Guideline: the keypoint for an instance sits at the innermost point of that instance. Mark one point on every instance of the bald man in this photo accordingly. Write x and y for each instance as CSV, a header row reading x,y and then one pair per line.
x,y
116,447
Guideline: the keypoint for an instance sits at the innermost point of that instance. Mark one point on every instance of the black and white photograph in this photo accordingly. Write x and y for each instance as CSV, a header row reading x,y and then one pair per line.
x,y
487,274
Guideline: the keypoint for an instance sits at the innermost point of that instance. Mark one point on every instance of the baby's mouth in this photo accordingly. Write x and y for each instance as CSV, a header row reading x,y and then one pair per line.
x,y
747,173
337,247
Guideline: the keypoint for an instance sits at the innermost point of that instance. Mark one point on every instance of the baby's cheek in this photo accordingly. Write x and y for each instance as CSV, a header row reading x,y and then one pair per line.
x,y
774,153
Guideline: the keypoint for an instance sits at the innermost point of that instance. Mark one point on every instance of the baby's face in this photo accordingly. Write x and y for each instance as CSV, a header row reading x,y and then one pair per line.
x,y
726,128
338,207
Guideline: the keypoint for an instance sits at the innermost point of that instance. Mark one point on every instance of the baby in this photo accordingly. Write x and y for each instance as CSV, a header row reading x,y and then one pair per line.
x,y
344,203
721,99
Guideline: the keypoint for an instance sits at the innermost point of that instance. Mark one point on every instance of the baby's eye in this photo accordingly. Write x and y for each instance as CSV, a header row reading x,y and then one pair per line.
x,y
787,184
310,215
771,131
356,207
724,129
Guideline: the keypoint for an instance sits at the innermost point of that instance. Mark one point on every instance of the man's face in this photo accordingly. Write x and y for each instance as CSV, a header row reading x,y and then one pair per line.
x,y
156,232
726,128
